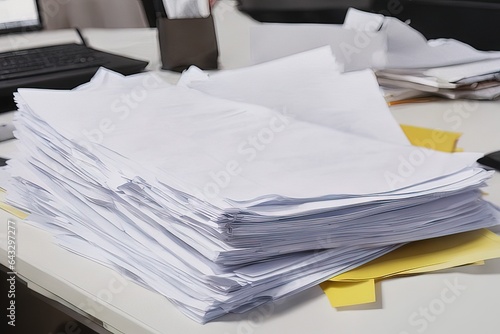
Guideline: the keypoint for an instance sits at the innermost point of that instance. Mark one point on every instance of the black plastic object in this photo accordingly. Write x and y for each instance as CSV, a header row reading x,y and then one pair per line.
x,y
491,160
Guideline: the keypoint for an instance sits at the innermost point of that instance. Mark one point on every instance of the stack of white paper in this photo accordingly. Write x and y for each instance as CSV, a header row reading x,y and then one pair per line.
x,y
442,67
182,9
404,60
222,205
476,81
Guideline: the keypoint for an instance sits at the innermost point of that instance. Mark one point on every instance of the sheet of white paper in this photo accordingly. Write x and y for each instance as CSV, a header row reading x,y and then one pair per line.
x,y
459,72
408,48
182,9
354,50
308,87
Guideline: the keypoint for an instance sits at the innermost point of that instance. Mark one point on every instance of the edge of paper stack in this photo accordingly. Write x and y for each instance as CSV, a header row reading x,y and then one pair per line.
x,y
231,190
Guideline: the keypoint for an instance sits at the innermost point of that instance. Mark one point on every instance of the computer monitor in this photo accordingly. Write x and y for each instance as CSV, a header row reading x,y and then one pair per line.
x,y
19,15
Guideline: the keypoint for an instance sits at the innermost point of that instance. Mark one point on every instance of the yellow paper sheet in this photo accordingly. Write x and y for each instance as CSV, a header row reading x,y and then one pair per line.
x,y
9,208
14,211
437,267
438,140
349,293
416,257
453,250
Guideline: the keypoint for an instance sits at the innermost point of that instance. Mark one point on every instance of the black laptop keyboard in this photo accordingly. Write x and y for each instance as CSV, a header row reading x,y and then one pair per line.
x,y
44,60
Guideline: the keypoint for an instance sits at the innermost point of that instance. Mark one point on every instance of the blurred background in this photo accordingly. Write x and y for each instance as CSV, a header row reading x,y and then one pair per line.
x,y
473,22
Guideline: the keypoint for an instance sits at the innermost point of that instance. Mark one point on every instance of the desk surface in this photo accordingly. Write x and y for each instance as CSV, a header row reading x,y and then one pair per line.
x,y
463,300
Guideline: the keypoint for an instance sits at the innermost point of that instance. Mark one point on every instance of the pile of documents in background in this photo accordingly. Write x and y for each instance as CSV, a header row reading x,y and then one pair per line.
x,y
444,68
225,192
407,65
417,67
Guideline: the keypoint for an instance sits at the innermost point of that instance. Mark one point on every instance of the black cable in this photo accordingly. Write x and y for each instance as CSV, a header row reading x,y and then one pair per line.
x,y
84,42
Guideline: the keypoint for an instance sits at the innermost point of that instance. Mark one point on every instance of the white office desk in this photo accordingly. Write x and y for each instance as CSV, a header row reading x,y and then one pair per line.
x,y
459,301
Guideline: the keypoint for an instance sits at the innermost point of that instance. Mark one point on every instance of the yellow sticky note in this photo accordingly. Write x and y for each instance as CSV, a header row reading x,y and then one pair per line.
x,y
349,293
438,140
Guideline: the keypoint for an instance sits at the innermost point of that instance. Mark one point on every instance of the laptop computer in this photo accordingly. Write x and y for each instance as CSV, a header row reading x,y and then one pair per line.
x,y
67,66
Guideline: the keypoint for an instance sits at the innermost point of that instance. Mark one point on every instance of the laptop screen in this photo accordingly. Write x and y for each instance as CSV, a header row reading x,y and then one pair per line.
x,y
19,15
